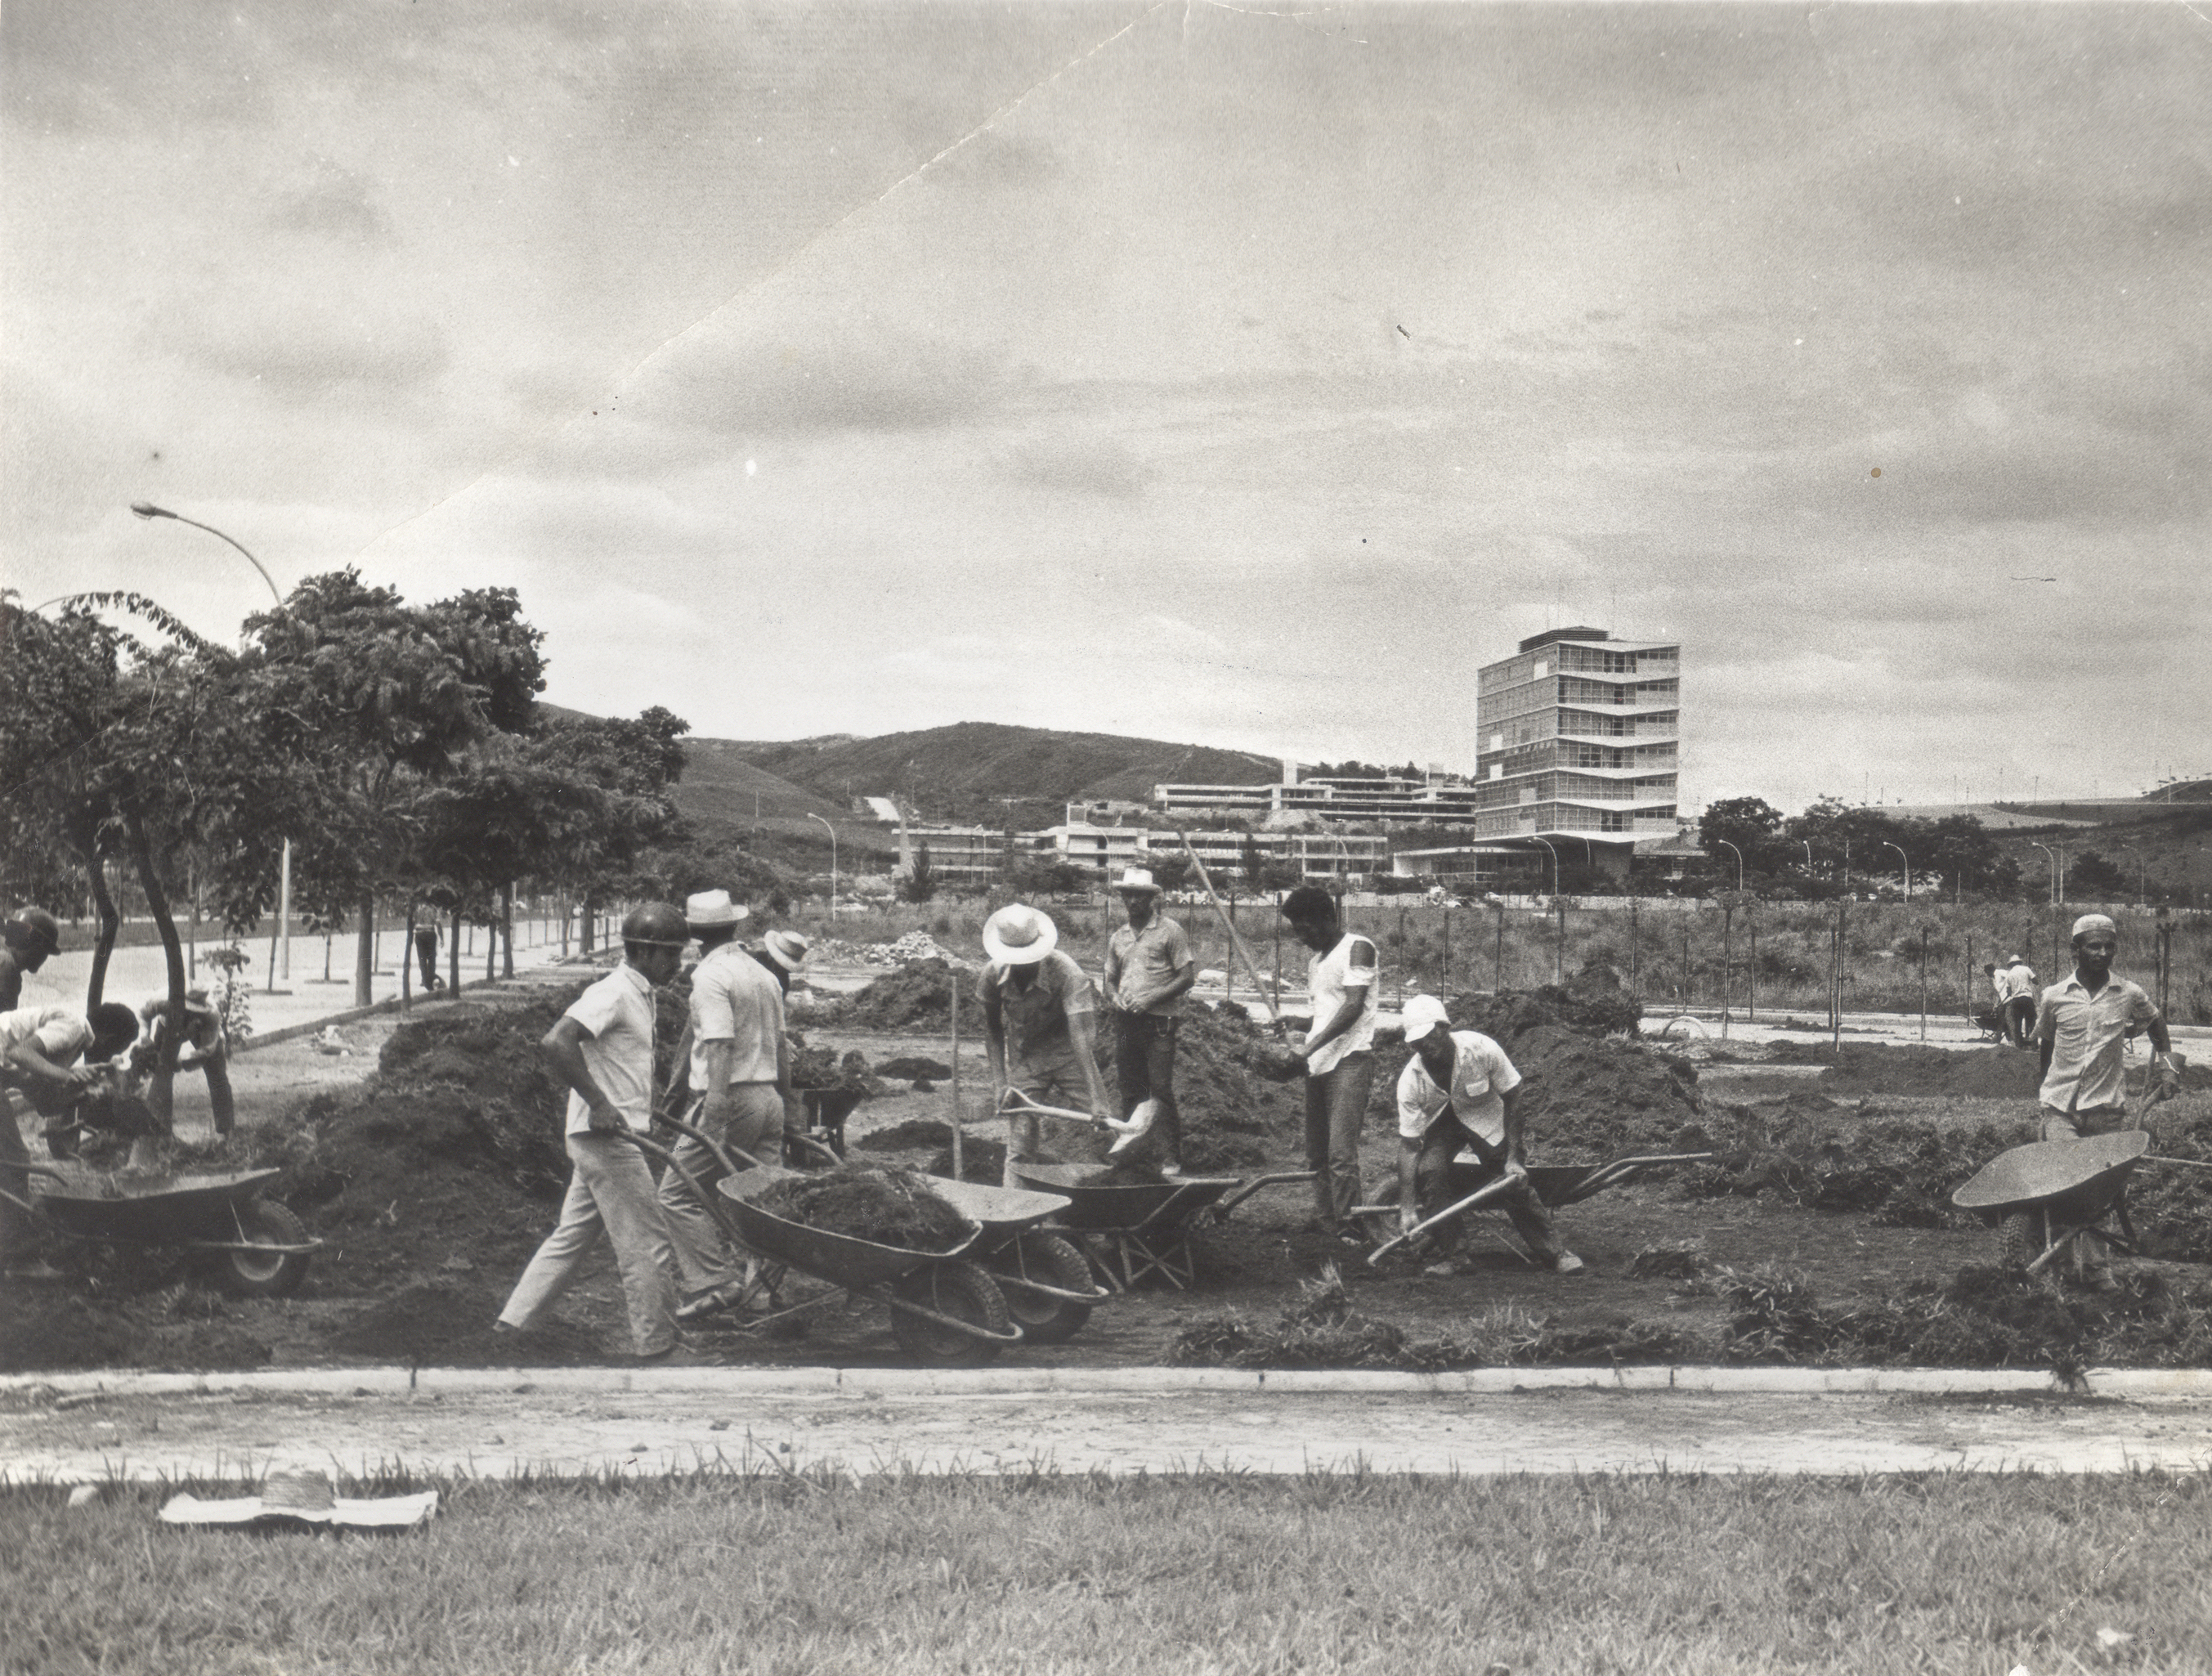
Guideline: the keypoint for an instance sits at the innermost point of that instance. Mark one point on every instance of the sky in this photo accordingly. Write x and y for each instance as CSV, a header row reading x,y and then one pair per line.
x,y
1240,375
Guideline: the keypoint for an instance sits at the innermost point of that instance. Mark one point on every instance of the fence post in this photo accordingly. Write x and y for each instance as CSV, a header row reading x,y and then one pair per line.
x,y
1923,983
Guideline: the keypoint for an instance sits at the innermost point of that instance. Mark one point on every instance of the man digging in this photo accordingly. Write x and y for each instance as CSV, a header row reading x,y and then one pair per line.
x,y
2081,1031
740,1065
1460,1093
602,1049
1149,970
1338,1056
39,1048
1037,1027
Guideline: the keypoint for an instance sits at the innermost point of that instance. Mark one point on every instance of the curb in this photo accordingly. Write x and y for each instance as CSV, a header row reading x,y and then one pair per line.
x,y
2140,1384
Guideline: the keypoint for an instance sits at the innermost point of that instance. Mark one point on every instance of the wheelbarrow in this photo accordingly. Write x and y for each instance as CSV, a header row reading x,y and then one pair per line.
x,y
945,1308
1045,1278
1143,1228
1555,1186
2051,1198
247,1245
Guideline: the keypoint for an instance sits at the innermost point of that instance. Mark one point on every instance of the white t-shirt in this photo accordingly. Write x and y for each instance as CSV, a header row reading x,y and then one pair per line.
x,y
62,1033
1481,1076
733,999
1347,970
2016,981
617,1014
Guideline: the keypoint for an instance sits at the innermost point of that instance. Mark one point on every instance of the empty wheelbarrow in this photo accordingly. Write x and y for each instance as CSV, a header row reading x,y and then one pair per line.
x,y
2048,1197
247,1245
1143,1228
1554,1186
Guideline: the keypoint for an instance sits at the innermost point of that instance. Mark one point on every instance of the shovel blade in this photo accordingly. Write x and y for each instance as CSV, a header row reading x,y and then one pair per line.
x,y
1139,1123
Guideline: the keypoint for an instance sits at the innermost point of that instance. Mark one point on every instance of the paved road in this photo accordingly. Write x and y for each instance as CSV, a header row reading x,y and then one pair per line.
x,y
1137,1421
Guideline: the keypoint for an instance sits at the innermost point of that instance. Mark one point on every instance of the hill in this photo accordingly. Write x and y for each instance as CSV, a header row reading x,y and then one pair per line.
x,y
721,790
966,770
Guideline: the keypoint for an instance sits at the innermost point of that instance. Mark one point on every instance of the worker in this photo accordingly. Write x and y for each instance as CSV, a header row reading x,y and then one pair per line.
x,y
205,1047
1038,1031
1150,968
739,1066
426,953
2016,1005
1459,1093
601,1049
781,953
40,1049
30,936
1338,1054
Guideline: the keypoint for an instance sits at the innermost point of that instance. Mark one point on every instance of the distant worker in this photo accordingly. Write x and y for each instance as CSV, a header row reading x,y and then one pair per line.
x,y
2082,1031
32,936
1338,1055
2017,1000
1150,968
602,1050
740,1073
204,1048
39,1051
1038,1027
1461,1093
781,953
426,953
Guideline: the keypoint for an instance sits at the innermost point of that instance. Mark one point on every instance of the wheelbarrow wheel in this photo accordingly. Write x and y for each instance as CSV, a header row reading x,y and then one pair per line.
x,y
959,1289
1049,1260
2021,1237
252,1273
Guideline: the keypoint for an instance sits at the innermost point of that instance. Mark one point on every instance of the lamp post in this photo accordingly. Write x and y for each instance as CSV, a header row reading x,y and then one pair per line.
x,y
832,831
148,510
1559,905
1738,854
2051,857
1808,843
1907,860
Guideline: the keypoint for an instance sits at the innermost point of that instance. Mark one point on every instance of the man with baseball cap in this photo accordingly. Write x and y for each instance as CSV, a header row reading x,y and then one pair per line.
x,y
1459,1093
1150,968
1037,1027
30,936
602,1049
2082,1031
740,1071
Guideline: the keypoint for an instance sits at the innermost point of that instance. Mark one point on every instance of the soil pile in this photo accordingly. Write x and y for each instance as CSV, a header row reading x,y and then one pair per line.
x,y
913,1068
910,1135
980,1161
884,1206
824,1068
916,996
1860,1068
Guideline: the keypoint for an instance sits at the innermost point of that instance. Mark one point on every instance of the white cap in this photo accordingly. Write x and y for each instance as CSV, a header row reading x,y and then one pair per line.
x,y
1019,935
1422,1014
2089,922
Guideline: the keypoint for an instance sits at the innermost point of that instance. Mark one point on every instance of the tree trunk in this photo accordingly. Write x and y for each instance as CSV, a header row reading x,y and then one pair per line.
x,y
584,942
407,960
161,1094
111,922
506,926
364,959
453,953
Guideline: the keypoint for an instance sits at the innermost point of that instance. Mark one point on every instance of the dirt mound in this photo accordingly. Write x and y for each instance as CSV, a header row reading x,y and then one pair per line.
x,y
913,1067
884,1207
1974,1073
178,1327
913,1132
1587,1005
981,1160
916,996
1819,1154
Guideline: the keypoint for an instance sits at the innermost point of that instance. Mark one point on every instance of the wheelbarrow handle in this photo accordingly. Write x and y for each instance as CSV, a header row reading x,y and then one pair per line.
x,y
2190,1163
1481,1196
707,1200
1221,1210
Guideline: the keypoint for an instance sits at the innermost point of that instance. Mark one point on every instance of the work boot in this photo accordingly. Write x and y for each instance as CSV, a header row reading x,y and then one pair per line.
x,y
1566,1263
712,1302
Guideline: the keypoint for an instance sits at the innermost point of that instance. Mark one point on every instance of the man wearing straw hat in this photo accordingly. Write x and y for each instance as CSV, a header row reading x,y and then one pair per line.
x,y
1149,970
2082,1031
602,1049
781,953
204,1048
1038,1025
740,1067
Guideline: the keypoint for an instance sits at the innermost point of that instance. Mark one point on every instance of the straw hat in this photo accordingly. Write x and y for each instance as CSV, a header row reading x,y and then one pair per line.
x,y
706,910
1019,935
787,948
298,1495
1137,878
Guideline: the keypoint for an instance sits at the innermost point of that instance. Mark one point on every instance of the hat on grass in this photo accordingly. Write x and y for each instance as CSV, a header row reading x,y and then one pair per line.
x,y
787,948
706,910
297,1498
1019,935
1137,878
2089,922
1422,1014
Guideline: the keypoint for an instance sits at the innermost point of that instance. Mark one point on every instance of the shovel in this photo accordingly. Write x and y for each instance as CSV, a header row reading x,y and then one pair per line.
x,y
1129,1131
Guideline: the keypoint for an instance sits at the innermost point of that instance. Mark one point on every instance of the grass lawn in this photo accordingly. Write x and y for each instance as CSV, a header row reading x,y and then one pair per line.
x,y
1214,1574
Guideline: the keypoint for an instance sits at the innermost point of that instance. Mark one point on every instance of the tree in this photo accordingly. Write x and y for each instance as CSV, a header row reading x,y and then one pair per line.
x,y
1171,872
1752,825
1253,865
2090,877
921,882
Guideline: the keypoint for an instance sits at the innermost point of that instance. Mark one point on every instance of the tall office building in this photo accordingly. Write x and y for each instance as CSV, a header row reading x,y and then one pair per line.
x,y
1578,737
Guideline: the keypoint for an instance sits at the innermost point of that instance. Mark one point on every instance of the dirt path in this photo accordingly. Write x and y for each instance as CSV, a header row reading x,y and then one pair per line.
x,y
675,1420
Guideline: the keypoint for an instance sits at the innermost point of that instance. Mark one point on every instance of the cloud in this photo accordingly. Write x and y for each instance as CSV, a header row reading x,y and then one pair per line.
x,y
787,384
300,351
1103,468
336,205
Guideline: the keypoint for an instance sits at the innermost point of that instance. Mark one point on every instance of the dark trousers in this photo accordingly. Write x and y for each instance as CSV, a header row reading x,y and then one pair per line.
x,y
1336,1107
426,952
1144,1064
15,1234
1438,1183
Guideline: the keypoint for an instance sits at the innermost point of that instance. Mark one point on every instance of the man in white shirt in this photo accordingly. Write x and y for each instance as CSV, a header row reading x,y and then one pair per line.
x,y
2082,1031
1460,1093
1338,1054
602,1048
740,1069
39,1048
1150,968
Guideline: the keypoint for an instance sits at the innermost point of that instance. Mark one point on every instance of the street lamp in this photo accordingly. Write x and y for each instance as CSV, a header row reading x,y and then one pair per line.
x,y
1546,843
2049,856
1738,854
832,831
1808,843
1907,860
148,510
